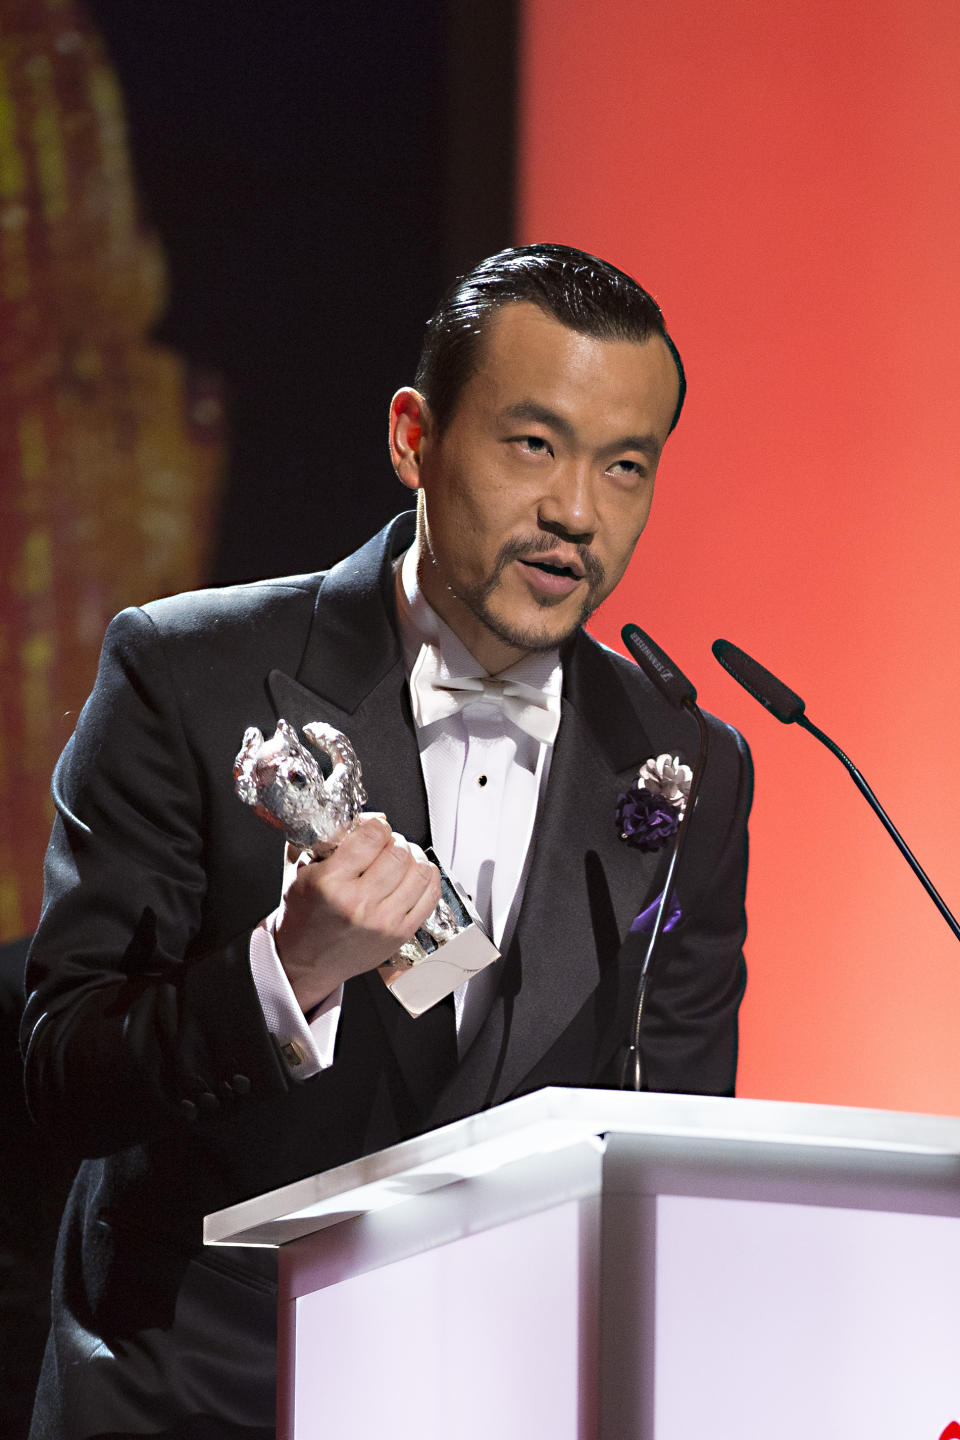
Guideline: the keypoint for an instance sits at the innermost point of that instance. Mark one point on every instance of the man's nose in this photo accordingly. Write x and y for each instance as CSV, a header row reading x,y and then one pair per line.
x,y
569,507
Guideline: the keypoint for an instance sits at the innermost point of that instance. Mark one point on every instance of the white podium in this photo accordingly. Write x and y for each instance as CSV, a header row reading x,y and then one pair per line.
x,y
595,1265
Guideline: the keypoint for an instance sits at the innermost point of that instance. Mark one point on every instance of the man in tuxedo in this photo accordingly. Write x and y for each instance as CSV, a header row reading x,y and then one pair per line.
x,y
206,1022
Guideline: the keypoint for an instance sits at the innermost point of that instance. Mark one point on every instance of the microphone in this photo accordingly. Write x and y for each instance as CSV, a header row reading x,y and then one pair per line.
x,y
785,704
659,668
788,708
677,690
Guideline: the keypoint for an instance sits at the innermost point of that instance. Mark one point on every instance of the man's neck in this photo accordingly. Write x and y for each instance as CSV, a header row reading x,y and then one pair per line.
x,y
491,652
420,622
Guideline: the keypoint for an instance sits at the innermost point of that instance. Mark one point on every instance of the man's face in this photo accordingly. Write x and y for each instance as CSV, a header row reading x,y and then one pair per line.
x,y
534,497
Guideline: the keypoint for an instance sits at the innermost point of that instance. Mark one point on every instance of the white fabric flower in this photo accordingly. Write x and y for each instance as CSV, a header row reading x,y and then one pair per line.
x,y
665,775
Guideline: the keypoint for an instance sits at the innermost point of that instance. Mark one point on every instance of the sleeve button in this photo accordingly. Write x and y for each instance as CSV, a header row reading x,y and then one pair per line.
x,y
241,1084
188,1109
208,1103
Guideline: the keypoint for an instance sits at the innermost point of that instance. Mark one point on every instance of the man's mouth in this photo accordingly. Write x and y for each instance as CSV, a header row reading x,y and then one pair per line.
x,y
551,577
554,567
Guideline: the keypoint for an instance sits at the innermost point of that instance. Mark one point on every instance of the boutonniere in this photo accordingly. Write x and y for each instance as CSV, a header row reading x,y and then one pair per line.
x,y
649,813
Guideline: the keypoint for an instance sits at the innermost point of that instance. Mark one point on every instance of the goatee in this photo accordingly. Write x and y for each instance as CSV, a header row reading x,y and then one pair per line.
x,y
477,598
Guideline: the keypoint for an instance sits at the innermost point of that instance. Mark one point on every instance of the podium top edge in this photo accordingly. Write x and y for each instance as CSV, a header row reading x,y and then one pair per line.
x,y
554,1119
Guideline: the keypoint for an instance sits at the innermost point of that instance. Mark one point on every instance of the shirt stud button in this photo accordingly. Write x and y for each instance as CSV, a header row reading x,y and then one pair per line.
x,y
481,779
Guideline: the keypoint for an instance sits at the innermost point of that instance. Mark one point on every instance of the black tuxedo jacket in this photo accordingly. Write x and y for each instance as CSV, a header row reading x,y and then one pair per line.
x,y
146,1048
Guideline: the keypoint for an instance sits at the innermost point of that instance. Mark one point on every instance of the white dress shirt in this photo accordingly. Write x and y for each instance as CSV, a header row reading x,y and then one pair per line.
x,y
485,779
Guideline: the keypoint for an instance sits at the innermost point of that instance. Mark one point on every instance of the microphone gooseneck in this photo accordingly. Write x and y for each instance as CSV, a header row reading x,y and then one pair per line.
x,y
787,706
675,688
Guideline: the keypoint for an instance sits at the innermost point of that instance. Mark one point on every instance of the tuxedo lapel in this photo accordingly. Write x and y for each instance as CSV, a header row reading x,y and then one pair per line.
x,y
585,885
352,677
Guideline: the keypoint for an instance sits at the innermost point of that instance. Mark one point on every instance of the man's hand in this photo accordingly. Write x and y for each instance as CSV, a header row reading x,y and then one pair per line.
x,y
351,912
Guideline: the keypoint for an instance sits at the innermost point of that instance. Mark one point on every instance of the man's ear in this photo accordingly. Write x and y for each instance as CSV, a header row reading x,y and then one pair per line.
x,y
409,422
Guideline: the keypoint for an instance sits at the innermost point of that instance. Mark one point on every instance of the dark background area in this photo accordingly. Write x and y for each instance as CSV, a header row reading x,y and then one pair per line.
x,y
317,174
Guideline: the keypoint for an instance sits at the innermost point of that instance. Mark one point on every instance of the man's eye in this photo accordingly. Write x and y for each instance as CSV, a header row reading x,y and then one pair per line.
x,y
534,444
628,467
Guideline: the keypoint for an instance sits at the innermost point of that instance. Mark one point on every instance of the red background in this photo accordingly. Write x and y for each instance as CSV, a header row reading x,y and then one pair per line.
x,y
784,178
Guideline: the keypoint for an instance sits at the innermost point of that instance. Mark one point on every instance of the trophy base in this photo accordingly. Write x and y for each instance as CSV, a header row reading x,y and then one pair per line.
x,y
429,969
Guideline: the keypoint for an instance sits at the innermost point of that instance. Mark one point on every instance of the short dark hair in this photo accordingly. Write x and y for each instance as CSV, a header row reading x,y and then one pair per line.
x,y
579,290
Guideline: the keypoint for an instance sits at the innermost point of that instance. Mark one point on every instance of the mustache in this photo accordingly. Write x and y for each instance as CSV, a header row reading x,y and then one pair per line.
x,y
529,548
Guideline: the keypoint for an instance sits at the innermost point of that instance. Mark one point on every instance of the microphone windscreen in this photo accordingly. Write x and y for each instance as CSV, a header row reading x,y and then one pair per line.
x,y
658,667
778,698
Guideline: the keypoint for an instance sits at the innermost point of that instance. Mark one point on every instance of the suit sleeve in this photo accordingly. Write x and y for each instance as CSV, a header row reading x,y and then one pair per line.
x,y
142,1017
690,1025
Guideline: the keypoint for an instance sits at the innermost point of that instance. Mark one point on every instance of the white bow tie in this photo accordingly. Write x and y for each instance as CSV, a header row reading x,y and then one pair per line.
x,y
436,695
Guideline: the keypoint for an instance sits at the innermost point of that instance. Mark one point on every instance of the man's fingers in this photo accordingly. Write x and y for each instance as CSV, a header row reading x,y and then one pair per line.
x,y
391,867
375,879
351,912
396,893
412,900
359,849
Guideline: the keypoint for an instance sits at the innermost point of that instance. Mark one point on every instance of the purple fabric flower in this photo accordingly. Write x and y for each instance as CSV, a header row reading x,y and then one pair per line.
x,y
645,820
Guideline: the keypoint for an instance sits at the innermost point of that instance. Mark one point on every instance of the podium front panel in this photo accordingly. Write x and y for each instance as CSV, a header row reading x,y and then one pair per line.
x,y
476,1339
800,1321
